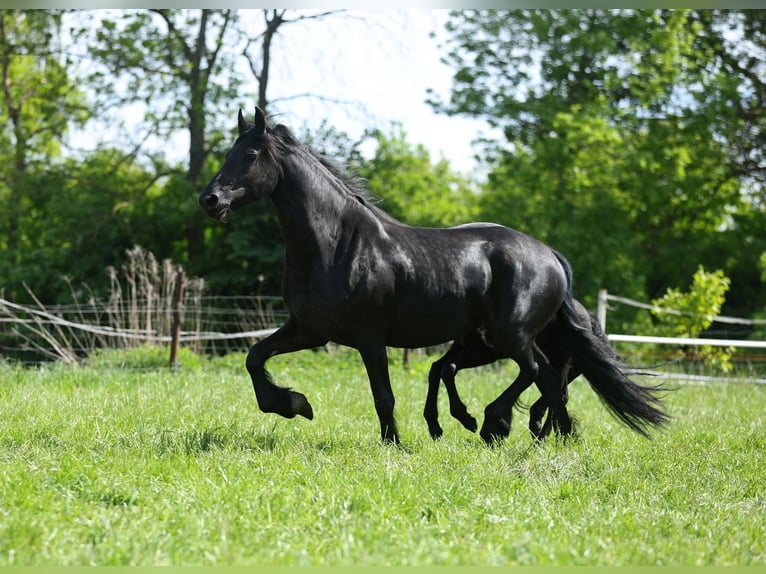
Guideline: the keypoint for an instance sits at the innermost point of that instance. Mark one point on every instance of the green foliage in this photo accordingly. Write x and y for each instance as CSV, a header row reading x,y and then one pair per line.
x,y
107,466
108,191
631,138
40,100
413,188
566,191
695,309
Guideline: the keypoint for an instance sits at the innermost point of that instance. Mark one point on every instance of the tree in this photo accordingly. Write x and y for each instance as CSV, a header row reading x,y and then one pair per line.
x,y
39,101
186,67
565,191
178,63
89,213
633,138
258,48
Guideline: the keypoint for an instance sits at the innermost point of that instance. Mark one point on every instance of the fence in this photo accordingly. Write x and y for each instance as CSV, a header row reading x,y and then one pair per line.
x,y
748,357
209,324
215,324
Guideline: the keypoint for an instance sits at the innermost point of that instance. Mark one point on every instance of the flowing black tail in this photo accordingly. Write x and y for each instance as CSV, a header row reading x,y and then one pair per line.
x,y
633,404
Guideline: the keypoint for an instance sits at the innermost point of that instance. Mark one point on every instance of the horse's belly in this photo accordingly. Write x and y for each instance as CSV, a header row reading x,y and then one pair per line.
x,y
428,323
407,305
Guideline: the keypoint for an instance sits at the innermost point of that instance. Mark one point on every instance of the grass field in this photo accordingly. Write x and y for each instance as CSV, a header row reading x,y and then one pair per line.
x,y
115,463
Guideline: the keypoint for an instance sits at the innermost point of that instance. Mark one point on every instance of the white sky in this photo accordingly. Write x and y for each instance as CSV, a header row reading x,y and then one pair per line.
x,y
383,59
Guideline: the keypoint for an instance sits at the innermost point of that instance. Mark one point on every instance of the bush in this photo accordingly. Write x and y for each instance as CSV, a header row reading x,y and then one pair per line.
x,y
688,314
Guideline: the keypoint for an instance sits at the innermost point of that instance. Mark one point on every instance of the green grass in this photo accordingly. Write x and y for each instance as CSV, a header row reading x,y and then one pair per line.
x,y
122,462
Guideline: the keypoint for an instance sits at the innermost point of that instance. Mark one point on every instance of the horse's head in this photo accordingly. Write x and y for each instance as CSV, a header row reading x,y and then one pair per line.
x,y
249,172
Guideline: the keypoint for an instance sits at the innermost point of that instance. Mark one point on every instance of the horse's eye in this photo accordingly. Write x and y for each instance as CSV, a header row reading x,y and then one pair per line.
x,y
252,153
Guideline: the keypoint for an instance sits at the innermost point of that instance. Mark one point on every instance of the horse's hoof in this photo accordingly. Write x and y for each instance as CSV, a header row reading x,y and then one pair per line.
x,y
391,439
436,433
300,405
491,439
465,419
494,431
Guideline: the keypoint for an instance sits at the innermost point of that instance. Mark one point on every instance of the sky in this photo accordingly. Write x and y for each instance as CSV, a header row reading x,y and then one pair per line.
x,y
364,69
382,59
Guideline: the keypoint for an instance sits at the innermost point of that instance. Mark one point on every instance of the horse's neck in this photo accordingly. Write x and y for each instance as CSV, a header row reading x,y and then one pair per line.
x,y
313,208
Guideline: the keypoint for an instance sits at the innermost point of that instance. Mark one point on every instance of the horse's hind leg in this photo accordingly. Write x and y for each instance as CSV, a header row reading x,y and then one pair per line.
x,y
474,352
554,348
553,386
431,408
568,375
498,413
272,398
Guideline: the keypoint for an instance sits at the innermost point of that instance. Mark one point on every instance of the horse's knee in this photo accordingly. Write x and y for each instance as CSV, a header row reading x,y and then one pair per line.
x,y
255,359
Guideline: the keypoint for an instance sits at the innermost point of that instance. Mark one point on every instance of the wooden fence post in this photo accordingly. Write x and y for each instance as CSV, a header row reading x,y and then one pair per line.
x,y
178,298
601,309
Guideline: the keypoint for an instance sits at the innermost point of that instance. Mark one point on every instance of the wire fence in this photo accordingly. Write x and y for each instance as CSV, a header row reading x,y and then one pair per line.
x,y
148,303
208,324
138,316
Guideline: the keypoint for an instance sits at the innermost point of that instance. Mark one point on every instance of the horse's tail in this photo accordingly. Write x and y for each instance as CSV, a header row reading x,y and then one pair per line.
x,y
635,405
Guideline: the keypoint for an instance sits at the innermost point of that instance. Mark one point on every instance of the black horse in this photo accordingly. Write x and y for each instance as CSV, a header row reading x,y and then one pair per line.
x,y
475,350
358,277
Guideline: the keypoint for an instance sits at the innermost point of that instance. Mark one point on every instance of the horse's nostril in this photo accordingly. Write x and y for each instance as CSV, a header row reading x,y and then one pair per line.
x,y
210,201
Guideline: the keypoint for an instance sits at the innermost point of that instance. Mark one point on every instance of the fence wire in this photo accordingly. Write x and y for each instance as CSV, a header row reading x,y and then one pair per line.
x,y
209,324
32,334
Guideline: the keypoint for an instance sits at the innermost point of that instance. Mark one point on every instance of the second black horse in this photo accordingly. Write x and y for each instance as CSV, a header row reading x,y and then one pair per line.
x,y
475,350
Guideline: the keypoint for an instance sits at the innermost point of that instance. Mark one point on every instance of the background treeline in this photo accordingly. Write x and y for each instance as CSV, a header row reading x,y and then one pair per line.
x,y
633,141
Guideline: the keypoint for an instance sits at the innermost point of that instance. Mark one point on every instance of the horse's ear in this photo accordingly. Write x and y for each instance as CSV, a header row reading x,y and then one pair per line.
x,y
260,121
242,122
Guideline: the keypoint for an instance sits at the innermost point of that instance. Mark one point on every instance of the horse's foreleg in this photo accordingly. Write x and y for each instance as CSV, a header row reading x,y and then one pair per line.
x,y
457,407
272,398
376,363
445,369
536,414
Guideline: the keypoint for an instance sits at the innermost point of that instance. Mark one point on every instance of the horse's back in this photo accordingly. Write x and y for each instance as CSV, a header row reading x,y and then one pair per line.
x,y
475,274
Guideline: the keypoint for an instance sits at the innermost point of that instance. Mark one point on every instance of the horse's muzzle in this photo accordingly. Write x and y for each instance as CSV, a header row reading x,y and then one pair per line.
x,y
212,204
218,201
209,201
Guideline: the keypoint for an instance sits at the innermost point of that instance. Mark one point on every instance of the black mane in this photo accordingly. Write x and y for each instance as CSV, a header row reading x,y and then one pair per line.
x,y
282,140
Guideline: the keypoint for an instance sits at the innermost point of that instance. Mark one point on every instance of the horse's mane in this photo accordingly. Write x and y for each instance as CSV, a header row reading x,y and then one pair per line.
x,y
283,139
